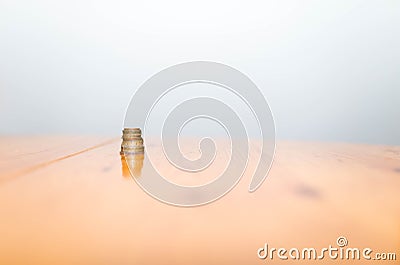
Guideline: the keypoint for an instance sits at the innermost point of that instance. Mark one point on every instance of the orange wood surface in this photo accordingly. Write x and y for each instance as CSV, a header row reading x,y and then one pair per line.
x,y
65,200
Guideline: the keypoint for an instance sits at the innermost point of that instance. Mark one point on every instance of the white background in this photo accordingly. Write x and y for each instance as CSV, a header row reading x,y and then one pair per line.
x,y
330,70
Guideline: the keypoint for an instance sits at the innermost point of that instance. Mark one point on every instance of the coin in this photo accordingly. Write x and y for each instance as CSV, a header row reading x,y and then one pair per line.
x,y
132,141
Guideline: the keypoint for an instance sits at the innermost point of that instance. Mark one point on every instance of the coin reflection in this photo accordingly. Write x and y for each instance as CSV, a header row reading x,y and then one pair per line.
x,y
124,167
134,162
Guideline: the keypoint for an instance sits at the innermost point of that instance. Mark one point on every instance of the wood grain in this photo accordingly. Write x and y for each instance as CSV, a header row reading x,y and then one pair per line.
x,y
65,200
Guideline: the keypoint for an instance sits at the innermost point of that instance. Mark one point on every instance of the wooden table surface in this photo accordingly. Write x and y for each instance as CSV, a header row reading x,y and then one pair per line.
x,y
69,200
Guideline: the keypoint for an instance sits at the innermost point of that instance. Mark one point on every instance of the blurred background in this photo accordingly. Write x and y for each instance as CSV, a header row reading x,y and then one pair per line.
x,y
330,70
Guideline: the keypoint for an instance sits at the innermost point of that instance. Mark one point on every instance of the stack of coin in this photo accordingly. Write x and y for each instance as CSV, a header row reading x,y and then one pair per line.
x,y
132,142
